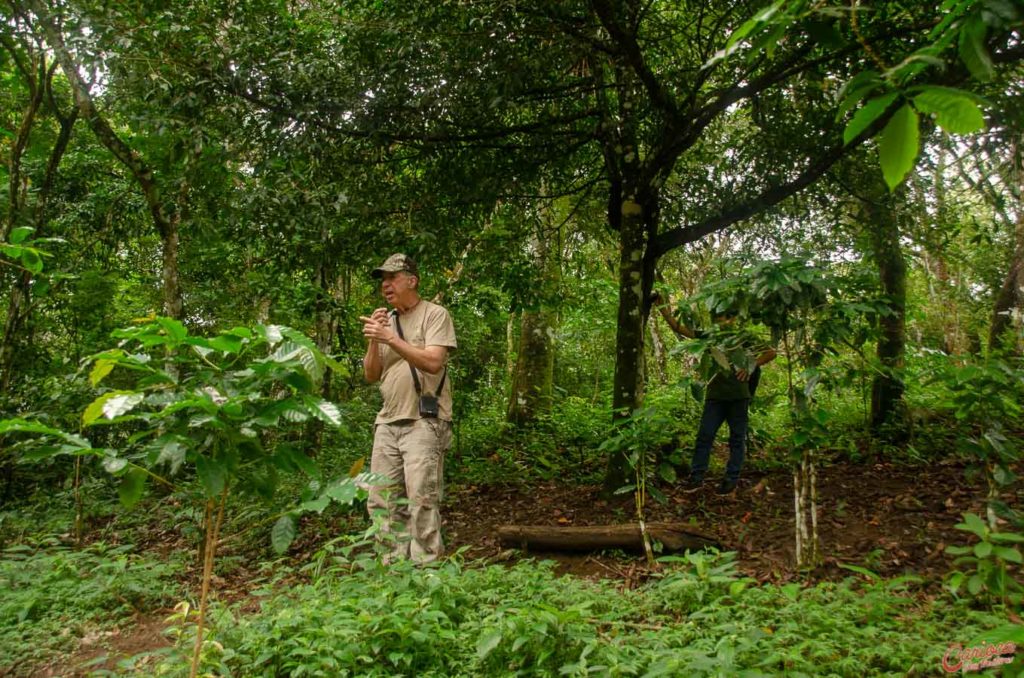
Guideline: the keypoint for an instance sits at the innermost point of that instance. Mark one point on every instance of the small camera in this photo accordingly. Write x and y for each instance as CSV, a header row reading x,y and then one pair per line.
x,y
429,406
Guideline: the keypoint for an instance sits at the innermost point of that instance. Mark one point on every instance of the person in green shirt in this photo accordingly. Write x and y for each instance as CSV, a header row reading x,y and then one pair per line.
x,y
729,388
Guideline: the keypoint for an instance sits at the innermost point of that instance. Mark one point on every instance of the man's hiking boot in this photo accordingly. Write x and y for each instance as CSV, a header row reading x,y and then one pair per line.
x,y
727,486
693,485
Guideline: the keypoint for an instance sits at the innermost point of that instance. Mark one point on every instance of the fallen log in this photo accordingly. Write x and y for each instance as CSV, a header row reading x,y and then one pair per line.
x,y
674,538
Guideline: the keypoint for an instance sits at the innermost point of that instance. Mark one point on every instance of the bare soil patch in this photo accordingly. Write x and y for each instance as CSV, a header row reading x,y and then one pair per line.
x,y
890,518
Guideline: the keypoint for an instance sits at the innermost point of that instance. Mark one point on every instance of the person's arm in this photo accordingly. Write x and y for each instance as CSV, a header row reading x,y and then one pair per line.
x,y
763,359
429,359
677,327
372,365
766,357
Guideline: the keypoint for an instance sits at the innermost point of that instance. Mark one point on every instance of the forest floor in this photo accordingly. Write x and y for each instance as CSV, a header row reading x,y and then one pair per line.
x,y
891,519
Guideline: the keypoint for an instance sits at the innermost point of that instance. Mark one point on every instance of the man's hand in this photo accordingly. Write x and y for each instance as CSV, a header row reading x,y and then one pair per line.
x,y
377,327
742,374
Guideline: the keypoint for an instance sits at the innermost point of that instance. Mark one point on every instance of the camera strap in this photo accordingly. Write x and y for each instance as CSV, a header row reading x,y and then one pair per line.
x,y
415,377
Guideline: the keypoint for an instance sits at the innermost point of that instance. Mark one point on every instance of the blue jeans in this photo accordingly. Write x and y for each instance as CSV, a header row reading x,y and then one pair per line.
x,y
715,413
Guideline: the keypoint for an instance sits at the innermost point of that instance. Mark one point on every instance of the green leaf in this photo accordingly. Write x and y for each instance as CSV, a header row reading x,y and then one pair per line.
x,y
955,111
174,329
173,454
131,487
271,334
291,352
868,113
323,410
110,405
973,524
31,260
282,534
289,458
983,549
487,641
720,358
855,89
25,426
121,403
294,415
343,492
338,368
952,10
899,146
317,505
114,465
1013,633
975,584
226,343
863,571
101,369
973,51
753,22
213,475
20,234
956,580
1007,537
1008,554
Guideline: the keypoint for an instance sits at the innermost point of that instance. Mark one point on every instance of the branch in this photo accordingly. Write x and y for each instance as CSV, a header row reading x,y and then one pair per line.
x,y
659,94
19,61
234,88
677,237
99,125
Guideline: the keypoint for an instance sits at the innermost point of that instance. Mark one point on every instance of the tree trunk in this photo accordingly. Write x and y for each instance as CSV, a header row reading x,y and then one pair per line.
x,y
882,222
635,281
674,537
1010,298
533,373
659,355
941,294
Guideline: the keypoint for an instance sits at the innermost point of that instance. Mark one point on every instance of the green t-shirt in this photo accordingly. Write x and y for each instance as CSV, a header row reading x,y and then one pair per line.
x,y
733,350
727,387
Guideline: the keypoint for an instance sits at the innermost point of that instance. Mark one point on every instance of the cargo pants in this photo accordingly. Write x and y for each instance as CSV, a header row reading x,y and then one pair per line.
x,y
410,453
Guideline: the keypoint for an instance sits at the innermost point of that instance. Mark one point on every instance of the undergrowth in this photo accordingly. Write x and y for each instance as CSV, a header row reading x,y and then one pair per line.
x,y
698,618
55,595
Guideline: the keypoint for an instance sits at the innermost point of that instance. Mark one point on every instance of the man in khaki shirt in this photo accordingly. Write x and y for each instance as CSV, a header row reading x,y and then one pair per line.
x,y
409,345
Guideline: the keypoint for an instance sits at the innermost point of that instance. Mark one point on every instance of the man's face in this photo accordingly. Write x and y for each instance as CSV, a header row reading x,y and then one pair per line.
x,y
396,286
